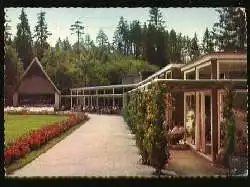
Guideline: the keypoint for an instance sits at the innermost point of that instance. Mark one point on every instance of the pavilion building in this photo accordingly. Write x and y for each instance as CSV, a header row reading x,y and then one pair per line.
x,y
36,89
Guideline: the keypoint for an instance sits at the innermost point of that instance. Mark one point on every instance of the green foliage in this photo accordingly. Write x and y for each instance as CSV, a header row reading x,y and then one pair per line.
x,y
7,30
194,48
145,116
228,127
208,44
23,40
230,32
41,35
77,29
102,39
229,117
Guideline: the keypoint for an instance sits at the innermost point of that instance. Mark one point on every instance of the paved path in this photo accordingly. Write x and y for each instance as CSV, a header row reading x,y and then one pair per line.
x,y
103,146
188,163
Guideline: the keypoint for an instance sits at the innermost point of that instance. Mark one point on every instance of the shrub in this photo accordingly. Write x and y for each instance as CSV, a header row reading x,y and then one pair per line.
x,y
146,112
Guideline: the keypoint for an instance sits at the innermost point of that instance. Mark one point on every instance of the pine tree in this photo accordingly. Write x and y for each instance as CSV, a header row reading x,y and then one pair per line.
x,y
88,42
23,40
121,36
7,29
155,17
58,43
194,48
230,31
136,38
41,35
207,45
102,39
66,45
77,29
13,72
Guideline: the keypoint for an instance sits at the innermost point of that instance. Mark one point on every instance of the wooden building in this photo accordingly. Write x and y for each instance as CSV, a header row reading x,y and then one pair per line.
x,y
206,104
36,88
198,96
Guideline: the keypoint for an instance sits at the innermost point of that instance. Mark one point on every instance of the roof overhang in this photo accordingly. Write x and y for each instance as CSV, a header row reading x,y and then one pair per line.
x,y
180,84
104,87
219,56
169,67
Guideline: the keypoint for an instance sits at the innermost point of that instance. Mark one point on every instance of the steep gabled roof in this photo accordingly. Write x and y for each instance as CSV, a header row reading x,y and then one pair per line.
x,y
35,60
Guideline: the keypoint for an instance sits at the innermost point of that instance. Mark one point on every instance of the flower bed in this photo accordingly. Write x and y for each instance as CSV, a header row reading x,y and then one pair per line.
x,y
30,109
37,112
35,139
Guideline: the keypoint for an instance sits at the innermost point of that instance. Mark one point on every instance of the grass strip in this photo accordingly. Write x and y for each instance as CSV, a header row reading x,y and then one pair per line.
x,y
34,154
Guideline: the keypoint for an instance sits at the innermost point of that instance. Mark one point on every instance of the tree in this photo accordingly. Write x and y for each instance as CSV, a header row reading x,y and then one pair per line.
x,y
13,71
155,17
117,41
59,43
121,37
136,38
41,35
194,48
207,45
77,29
7,28
66,45
88,42
230,31
23,40
101,39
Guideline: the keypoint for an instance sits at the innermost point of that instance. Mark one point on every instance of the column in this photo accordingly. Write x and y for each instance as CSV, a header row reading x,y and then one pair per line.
x,y
197,120
97,98
203,126
76,97
123,97
215,105
113,97
83,98
197,72
185,109
214,127
89,99
57,101
15,99
71,103
104,98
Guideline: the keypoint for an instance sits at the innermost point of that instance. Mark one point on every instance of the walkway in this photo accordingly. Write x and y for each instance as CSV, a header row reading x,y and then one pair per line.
x,y
103,146
188,163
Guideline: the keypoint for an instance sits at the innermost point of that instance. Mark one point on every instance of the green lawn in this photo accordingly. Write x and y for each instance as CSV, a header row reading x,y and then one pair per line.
x,y
18,125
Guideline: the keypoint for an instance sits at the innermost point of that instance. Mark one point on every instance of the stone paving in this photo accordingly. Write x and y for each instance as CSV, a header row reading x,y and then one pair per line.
x,y
103,146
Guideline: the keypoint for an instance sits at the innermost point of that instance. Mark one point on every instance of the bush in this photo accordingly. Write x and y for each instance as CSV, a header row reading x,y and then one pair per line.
x,y
146,114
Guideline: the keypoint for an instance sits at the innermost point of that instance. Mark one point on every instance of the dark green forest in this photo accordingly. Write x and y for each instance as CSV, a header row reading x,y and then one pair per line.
x,y
135,47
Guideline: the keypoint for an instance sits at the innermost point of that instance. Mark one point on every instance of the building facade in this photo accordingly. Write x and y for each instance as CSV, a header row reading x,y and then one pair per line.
x,y
36,88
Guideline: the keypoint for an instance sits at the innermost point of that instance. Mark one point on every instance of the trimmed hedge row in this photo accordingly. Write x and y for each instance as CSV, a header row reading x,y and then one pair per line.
x,y
35,139
145,115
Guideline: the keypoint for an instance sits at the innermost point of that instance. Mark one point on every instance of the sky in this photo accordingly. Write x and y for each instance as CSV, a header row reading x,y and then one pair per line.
x,y
184,20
